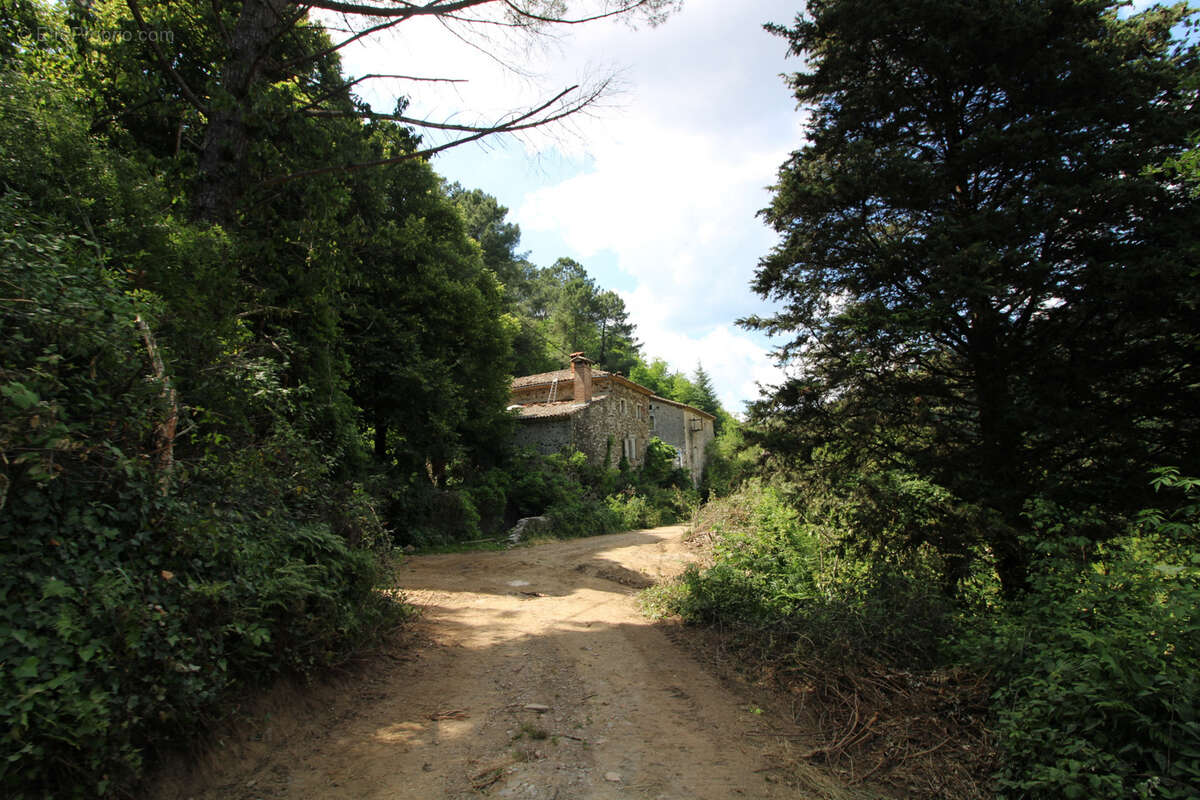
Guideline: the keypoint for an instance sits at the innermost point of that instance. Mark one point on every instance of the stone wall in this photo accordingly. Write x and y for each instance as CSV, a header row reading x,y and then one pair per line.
x,y
618,413
697,442
622,413
668,425
674,425
546,436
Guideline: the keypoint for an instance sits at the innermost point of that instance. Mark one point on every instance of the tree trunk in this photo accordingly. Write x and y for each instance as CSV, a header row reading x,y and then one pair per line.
x,y
998,467
999,470
380,437
221,170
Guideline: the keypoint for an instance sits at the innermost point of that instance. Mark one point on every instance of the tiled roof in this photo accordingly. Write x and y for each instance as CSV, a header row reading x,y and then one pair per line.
x,y
669,401
563,375
562,408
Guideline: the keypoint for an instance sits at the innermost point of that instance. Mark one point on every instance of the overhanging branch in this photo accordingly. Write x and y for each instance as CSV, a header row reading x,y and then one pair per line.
x,y
345,87
525,121
400,11
616,12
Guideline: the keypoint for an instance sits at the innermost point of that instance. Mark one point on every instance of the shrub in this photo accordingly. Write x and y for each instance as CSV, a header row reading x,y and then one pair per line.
x,y
133,600
1099,667
778,564
421,514
729,462
584,499
489,496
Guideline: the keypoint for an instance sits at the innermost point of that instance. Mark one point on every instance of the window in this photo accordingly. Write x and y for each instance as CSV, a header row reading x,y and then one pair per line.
x,y
629,448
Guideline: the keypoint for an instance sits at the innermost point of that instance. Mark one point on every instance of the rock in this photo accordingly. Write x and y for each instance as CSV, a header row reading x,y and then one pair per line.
x,y
612,777
538,707
528,526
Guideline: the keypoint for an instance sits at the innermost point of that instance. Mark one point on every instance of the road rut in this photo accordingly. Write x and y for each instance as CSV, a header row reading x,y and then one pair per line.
x,y
530,674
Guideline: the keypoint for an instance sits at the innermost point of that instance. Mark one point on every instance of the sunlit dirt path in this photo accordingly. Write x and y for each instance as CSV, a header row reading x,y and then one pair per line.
x,y
531,674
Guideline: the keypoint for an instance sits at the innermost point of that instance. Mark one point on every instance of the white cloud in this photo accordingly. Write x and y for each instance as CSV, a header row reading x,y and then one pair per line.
x,y
678,212
676,182
736,363
678,168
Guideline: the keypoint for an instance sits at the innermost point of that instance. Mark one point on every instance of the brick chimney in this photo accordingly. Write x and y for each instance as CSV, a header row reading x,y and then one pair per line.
x,y
581,371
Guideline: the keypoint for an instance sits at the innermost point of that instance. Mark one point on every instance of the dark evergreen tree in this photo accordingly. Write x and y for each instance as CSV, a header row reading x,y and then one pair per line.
x,y
982,280
702,395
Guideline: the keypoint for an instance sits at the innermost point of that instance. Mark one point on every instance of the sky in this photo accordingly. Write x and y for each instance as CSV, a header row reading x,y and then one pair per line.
x,y
656,191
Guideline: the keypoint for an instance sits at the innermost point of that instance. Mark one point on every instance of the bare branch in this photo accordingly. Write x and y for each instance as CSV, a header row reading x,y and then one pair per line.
x,y
295,62
350,84
481,50
404,11
408,78
481,21
616,12
523,122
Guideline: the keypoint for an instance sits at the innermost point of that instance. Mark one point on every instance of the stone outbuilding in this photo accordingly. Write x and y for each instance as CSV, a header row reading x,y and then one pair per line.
x,y
606,417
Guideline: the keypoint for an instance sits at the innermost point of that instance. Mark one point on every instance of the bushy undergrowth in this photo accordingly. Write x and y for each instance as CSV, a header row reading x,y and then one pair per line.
x,y
1099,666
1095,670
136,593
782,568
579,499
583,499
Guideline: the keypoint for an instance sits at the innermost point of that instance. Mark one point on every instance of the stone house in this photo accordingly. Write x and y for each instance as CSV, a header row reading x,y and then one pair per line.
x,y
606,417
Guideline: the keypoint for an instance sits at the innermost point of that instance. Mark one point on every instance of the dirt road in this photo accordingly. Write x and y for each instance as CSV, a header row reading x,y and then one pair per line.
x,y
531,674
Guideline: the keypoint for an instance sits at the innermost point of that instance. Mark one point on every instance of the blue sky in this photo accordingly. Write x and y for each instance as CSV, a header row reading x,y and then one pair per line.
x,y
656,190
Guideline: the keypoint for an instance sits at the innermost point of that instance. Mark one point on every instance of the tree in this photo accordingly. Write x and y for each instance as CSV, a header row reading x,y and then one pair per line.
x,y
500,240
428,351
617,351
702,394
982,280
655,376
261,62
485,223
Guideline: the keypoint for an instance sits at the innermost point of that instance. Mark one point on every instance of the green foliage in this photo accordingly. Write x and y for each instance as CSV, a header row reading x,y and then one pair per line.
x,y
729,461
1096,669
784,572
562,310
423,515
131,604
981,268
765,560
658,465
1099,667
582,499
570,492
423,323
190,392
